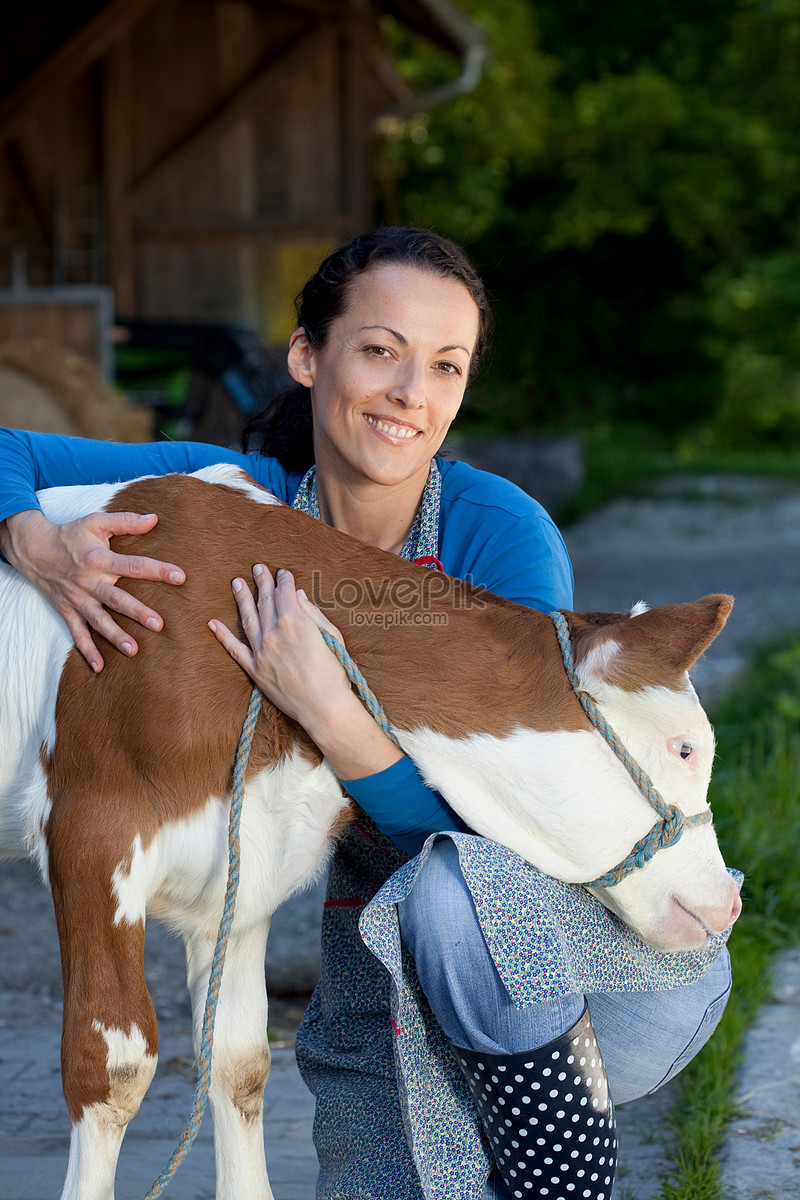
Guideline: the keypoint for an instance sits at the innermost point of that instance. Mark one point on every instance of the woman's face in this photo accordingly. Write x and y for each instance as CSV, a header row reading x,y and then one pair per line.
x,y
391,376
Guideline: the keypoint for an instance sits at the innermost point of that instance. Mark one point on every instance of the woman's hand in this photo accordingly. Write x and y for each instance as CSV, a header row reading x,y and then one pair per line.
x,y
74,567
288,660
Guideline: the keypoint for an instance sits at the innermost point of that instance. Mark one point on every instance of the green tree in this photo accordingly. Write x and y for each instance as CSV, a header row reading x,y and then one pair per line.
x,y
621,174
451,167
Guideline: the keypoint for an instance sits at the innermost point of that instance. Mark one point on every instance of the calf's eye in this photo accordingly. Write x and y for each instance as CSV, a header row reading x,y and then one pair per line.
x,y
682,748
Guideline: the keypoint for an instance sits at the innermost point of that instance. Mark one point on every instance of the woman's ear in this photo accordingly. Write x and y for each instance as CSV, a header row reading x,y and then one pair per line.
x,y
300,358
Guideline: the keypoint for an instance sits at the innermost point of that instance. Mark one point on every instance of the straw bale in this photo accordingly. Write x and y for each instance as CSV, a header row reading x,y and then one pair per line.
x,y
49,388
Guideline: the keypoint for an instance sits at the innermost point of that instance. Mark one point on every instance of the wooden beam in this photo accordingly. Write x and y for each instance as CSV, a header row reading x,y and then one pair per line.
x,y
267,228
39,202
322,8
268,77
117,125
86,45
355,141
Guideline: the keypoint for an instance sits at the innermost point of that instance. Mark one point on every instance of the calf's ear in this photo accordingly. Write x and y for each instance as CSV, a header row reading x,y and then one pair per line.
x,y
652,649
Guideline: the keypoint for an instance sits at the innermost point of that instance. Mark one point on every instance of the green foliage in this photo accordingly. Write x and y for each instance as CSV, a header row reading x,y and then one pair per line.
x,y
629,459
756,313
626,176
760,401
450,168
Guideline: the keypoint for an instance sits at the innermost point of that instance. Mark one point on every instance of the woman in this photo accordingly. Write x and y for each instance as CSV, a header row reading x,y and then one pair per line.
x,y
389,331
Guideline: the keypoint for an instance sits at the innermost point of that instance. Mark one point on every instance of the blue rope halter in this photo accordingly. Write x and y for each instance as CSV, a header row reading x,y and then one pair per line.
x,y
671,822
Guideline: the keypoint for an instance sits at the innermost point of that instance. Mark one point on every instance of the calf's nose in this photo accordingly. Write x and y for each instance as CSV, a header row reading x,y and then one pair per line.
x,y
720,917
736,908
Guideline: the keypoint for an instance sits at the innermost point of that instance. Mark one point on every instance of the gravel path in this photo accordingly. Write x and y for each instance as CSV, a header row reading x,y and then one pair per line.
x,y
696,536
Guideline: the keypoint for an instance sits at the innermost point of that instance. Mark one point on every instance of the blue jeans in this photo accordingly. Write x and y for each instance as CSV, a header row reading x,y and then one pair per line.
x,y
645,1037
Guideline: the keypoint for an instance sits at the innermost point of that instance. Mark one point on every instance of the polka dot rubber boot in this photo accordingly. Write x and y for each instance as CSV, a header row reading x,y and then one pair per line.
x,y
548,1116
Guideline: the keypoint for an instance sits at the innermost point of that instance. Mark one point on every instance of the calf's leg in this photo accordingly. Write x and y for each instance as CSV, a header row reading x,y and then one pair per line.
x,y
241,1057
109,1041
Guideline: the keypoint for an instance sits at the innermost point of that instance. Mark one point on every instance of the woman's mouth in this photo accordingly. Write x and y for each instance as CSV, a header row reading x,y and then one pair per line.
x,y
391,430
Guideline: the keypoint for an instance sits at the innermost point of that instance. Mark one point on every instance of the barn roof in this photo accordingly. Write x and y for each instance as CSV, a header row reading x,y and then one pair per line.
x,y
46,42
199,156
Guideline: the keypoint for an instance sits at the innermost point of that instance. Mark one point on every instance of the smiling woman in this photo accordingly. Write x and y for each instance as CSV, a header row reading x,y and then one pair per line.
x,y
389,331
385,388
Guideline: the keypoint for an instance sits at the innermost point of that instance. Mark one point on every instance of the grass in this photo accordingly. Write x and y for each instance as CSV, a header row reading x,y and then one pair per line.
x,y
626,460
756,799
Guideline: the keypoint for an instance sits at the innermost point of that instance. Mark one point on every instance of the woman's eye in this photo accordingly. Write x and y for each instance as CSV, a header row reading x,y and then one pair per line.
x,y
448,368
377,351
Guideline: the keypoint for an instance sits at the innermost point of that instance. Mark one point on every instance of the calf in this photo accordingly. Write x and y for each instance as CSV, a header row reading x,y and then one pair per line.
x,y
120,784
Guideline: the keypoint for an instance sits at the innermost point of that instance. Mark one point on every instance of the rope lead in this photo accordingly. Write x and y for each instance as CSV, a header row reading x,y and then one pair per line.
x,y
207,1039
360,684
240,768
667,830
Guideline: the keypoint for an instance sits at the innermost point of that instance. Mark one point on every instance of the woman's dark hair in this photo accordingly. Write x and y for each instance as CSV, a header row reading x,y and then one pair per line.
x,y
284,429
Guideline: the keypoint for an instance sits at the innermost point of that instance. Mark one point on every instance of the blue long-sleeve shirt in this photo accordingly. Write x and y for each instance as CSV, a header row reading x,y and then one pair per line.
x,y
490,532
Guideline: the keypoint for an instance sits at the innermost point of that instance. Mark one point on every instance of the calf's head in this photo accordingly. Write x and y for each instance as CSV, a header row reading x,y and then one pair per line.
x,y
561,798
637,671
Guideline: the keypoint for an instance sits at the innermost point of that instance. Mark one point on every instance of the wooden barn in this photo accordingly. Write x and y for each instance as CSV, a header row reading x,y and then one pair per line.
x,y
196,157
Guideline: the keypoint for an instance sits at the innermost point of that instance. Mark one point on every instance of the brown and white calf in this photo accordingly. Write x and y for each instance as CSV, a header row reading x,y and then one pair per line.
x,y
119,784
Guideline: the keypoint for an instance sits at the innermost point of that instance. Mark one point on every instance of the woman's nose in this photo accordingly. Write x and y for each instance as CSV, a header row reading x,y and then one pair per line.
x,y
409,387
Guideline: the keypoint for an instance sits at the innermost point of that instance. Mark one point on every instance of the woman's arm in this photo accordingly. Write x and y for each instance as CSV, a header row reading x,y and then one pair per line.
x,y
403,806
77,571
32,461
522,556
289,661
73,564
291,664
